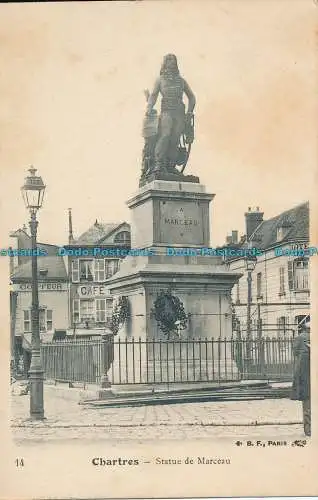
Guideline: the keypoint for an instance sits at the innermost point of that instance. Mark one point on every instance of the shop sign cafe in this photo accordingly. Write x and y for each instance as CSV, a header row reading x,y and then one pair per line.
x,y
92,290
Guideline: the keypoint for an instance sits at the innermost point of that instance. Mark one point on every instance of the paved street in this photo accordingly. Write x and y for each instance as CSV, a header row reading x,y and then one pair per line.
x,y
66,419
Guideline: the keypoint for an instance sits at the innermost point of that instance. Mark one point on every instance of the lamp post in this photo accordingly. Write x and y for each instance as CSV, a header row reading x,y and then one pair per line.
x,y
259,319
33,192
250,263
260,342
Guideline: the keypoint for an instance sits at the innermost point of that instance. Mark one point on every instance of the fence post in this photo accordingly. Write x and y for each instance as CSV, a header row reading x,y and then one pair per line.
x,y
239,351
261,353
106,349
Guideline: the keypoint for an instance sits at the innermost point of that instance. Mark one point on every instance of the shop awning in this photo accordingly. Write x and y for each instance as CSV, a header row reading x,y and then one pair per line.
x,y
27,339
88,332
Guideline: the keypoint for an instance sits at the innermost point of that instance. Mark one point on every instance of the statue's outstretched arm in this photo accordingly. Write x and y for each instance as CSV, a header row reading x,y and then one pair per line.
x,y
152,99
191,97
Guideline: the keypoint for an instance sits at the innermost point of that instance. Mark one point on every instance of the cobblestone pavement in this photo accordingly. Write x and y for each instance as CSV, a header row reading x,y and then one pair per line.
x,y
66,419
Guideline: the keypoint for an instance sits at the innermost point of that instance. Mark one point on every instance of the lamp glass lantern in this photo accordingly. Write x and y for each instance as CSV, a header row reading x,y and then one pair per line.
x,y
33,191
250,262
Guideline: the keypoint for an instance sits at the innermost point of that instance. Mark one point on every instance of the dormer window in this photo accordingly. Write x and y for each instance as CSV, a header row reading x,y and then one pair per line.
x,y
123,238
283,228
281,232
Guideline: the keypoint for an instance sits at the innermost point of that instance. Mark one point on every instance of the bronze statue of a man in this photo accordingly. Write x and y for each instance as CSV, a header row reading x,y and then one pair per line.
x,y
173,118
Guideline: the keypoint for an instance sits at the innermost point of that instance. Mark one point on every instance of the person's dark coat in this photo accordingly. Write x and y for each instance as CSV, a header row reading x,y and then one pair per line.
x,y
301,380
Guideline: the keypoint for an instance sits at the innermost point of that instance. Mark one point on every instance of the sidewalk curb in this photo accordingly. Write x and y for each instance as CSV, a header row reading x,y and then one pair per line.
x,y
189,397
78,393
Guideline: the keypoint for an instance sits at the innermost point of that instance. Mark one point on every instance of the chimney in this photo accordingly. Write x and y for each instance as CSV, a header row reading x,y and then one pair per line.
x,y
70,226
253,218
234,237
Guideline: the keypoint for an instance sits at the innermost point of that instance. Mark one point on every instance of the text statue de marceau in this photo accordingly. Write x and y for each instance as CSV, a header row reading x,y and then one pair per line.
x,y
168,136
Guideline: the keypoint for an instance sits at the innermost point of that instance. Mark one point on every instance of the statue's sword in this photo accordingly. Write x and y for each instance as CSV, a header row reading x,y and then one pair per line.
x,y
189,143
187,158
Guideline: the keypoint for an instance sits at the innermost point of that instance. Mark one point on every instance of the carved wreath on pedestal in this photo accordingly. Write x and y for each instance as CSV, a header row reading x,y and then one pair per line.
x,y
169,313
120,314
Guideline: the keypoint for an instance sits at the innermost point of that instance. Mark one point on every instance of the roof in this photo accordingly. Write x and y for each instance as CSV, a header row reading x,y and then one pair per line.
x,y
97,232
51,250
294,220
54,265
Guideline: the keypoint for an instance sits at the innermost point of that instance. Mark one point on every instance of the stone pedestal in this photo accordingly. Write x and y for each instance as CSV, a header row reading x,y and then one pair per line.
x,y
170,218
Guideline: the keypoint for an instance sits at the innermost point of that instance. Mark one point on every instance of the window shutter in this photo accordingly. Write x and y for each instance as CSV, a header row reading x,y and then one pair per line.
x,y
95,269
75,270
76,310
290,275
102,263
109,308
281,280
49,319
107,275
99,270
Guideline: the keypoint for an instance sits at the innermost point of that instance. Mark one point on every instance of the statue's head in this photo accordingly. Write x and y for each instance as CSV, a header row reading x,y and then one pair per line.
x,y
169,64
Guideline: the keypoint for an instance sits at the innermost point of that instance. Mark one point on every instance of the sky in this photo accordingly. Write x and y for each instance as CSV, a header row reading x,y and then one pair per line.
x,y
72,105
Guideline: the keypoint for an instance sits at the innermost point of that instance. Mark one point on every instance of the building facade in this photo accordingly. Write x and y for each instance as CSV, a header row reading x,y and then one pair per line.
x,y
280,282
92,259
53,294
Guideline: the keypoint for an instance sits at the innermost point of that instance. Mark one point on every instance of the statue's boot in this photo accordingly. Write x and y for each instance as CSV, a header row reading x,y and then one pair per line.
x,y
171,169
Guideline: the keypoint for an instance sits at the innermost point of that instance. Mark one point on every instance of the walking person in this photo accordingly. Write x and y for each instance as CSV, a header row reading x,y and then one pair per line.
x,y
301,379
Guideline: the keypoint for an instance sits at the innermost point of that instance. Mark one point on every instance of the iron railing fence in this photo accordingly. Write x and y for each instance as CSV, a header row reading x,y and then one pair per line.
x,y
153,361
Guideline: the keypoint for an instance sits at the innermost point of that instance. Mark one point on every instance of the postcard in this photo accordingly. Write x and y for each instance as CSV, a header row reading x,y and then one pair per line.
x,y
159,249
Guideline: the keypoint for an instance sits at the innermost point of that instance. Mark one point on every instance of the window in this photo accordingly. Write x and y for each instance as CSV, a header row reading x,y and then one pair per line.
x,y
301,274
300,319
259,285
75,271
99,310
282,280
86,270
123,237
111,267
99,270
298,277
281,233
282,323
87,309
27,321
45,320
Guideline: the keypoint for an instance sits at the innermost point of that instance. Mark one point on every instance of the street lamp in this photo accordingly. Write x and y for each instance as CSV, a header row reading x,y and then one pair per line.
x,y
250,263
33,192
